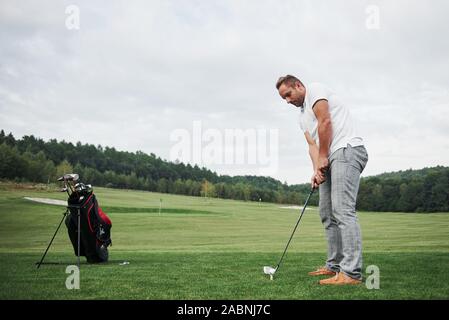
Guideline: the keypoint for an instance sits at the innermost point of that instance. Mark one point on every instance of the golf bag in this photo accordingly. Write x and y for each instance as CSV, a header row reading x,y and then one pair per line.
x,y
95,227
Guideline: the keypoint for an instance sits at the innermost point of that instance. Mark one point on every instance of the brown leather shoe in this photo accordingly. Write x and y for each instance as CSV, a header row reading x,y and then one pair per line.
x,y
322,271
340,279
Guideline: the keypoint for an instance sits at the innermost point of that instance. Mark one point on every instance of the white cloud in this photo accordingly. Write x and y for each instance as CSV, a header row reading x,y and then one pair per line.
x,y
135,72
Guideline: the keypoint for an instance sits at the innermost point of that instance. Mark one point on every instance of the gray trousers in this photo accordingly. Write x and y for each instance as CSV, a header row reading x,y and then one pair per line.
x,y
338,195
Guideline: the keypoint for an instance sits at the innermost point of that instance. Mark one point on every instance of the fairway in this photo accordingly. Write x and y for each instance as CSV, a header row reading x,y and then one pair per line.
x,y
197,248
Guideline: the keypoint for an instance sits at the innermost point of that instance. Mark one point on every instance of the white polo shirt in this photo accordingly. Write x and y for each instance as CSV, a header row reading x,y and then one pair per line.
x,y
344,129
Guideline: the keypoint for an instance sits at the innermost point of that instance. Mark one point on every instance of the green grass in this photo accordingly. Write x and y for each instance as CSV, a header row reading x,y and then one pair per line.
x,y
212,249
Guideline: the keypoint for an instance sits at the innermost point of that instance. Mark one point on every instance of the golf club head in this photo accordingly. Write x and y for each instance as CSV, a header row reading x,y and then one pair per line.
x,y
69,177
79,187
269,270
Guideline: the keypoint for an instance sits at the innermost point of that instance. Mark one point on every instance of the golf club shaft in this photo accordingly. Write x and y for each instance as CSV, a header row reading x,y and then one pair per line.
x,y
296,226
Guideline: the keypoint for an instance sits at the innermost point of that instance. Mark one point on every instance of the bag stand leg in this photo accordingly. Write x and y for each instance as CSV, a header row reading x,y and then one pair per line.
x,y
51,241
79,236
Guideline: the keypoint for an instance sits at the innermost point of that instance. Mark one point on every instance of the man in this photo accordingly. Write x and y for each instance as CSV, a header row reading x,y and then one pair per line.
x,y
338,158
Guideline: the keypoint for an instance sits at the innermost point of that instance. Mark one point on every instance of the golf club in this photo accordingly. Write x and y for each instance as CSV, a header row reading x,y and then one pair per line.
x,y
270,270
69,179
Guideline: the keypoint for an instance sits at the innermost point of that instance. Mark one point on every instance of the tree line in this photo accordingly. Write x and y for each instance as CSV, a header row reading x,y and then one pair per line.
x,y
32,159
424,190
35,160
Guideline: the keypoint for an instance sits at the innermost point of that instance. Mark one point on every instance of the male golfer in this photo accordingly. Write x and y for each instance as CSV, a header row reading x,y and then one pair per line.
x,y
338,158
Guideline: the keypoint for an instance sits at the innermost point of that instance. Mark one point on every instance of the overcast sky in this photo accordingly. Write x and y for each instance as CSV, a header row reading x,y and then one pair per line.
x,y
138,75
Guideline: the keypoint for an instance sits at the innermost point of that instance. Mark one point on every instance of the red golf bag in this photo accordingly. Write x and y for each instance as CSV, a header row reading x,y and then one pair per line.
x,y
95,227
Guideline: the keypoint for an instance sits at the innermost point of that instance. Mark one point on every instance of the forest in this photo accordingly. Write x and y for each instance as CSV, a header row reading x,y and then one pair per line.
x,y
32,159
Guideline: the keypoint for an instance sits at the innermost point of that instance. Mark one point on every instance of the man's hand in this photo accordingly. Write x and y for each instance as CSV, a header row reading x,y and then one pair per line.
x,y
317,178
314,182
323,164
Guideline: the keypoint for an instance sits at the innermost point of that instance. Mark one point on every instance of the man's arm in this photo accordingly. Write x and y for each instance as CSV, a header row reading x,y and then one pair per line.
x,y
321,110
313,150
317,176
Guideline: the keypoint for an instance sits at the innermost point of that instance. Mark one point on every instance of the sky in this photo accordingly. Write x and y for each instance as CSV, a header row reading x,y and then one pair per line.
x,y
194,81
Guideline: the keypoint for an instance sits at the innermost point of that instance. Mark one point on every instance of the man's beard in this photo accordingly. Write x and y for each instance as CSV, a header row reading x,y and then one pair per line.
x,y
297,104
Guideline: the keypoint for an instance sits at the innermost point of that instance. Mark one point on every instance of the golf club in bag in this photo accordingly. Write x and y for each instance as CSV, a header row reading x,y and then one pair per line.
x,y
89,228
270,270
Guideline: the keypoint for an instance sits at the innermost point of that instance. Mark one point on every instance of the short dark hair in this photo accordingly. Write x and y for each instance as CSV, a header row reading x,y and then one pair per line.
x,y
288,80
